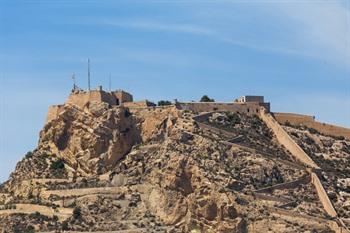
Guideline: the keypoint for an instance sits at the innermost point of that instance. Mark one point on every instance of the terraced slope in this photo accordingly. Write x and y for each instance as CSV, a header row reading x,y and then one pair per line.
x,y
160,170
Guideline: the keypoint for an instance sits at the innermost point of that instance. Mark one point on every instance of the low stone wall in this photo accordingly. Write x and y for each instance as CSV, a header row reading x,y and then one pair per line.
x,y
83,191
202,117
289,213
61,213
284,139
139,104
198,107
309,121
271,198
331,223
216,130
288,185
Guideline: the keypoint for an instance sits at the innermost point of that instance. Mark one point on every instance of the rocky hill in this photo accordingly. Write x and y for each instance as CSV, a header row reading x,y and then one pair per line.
x,y
110,168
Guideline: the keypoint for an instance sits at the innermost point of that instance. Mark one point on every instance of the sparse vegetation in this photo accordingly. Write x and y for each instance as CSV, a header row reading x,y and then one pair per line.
x,y
76,213
234,118
29,155
57,165
206,98
127,113
287,123
164,103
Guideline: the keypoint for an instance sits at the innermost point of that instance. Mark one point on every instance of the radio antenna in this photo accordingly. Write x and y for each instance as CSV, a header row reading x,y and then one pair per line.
x,y
110,82
89,74
74,84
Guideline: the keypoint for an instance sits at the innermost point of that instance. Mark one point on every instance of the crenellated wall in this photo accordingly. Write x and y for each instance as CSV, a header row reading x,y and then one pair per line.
x,y
309,121
81,99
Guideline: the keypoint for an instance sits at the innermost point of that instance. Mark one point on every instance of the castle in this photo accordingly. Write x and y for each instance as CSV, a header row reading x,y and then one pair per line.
x,y
250,105
81,99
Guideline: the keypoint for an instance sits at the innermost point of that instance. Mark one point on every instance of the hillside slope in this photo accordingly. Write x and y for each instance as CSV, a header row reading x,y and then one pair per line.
x,y
164,170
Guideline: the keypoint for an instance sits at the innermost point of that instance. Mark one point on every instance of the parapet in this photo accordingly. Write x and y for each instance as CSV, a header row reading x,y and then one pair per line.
x,y
246,104
81,98
250,98
139,104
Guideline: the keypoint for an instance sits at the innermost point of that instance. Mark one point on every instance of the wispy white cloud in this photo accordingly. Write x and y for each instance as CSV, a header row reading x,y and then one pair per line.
x,y
317,29
152,25
188,28
322,28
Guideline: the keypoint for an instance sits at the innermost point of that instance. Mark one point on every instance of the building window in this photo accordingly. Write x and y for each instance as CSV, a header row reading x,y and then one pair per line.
x,y
248,110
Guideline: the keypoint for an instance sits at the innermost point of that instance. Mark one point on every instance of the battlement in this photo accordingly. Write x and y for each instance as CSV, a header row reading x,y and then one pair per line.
x,y
81,98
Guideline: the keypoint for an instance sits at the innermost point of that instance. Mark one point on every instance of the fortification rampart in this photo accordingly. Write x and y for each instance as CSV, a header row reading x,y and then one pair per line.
x,y
322,195
284,139
250,108
53,112
83,98
309,121
139,104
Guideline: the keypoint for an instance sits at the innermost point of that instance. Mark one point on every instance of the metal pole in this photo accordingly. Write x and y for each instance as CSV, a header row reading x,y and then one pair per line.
x,y
89,74
110,82
74,84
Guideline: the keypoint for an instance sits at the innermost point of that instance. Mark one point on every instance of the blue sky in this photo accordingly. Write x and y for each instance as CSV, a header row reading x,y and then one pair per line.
x,y
295,53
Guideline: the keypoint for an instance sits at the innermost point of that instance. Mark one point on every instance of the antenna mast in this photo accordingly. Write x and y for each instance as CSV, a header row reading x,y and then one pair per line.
x,y
89,74
110,82
74,84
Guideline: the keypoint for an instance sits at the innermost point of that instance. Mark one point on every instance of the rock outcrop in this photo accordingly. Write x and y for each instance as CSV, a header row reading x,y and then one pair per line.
x,y
111,168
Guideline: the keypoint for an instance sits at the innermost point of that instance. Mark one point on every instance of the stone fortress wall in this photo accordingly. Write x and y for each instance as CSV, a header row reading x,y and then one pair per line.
x,y
309,121
81,99
139,104
284,139
250,108
53,112
336,224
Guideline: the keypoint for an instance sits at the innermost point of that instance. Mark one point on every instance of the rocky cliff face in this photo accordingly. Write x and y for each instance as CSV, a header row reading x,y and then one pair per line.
x,y
106,168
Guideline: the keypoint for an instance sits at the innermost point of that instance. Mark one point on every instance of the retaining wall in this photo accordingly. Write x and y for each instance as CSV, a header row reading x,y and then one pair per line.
x,y
61,213
284,139
83,191
288,185
271,198
197,107
309,121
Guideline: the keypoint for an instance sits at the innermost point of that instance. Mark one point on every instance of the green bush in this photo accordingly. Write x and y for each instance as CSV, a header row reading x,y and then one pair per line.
x,y
205,98
287,123
65,226
313,131
234,118
164,103
57,165
76,213
127,113
30,229
29,155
